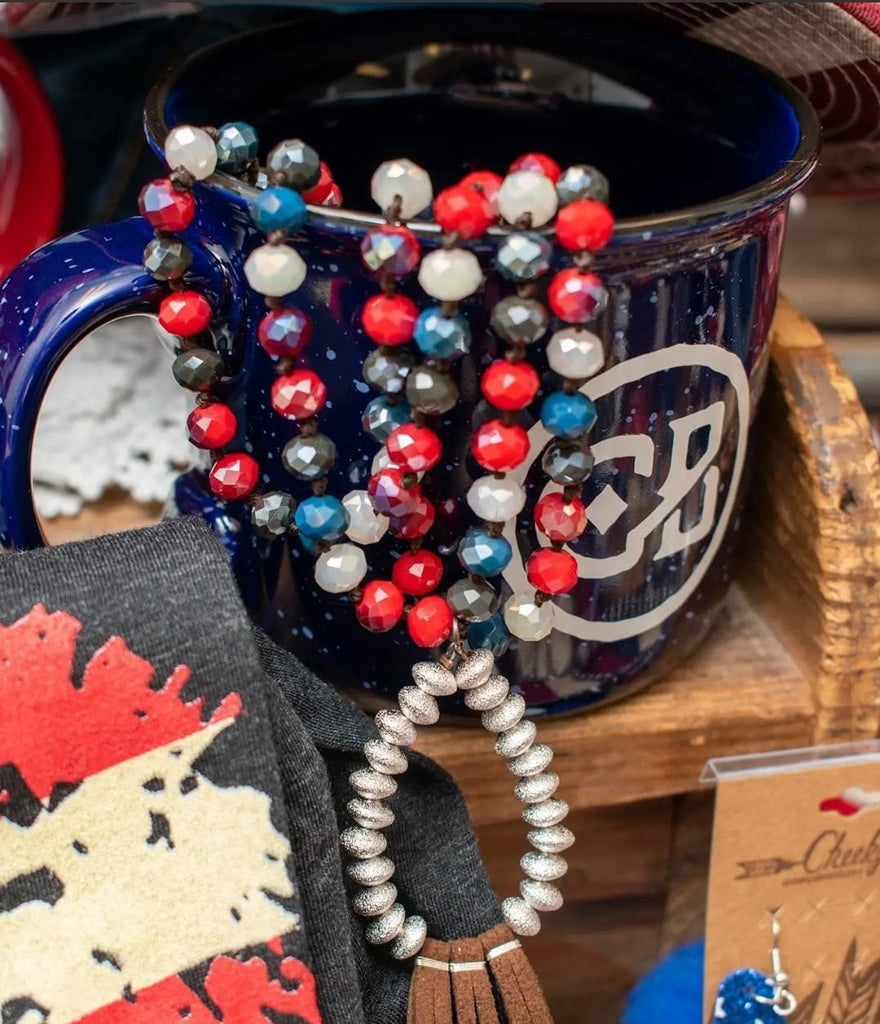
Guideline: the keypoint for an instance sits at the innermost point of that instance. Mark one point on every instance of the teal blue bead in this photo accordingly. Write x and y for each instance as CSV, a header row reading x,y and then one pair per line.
x,y
278,209
236,145
568,416
321,518
381,417
309,544
482,554
442,337
491,635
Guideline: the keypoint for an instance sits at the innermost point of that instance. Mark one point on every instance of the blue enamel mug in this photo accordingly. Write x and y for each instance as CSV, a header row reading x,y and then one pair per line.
x,y
702,149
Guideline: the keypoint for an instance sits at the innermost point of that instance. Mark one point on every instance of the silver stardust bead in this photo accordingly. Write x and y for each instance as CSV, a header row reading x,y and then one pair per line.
x,y
419,707
363,843
520,917
394,727
374,900
387,927
517,740
434,679
370,813
508,714
536,788
543,867
489,695
372,785
541,895
554,839
534,760
411,938
475,669
385,757
546,813
373,871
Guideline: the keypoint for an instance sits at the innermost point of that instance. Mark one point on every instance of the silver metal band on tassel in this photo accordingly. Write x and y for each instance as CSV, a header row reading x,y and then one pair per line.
x,y
502,714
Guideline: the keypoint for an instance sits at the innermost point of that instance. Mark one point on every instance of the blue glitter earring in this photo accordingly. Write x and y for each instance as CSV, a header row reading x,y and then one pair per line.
x,y
748,996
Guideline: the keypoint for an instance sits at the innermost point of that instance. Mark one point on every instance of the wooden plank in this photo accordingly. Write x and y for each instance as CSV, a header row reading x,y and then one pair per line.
x,y
740,692
114,511
685,917
814,528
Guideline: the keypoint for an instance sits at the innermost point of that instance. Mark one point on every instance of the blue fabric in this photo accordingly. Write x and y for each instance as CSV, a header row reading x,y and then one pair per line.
x,y
672,993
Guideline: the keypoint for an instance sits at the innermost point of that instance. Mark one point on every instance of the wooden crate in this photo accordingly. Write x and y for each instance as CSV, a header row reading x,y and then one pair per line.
x,y
793,660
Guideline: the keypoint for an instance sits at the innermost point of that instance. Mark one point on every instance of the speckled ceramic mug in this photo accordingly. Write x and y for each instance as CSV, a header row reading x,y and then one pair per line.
x,y
703,151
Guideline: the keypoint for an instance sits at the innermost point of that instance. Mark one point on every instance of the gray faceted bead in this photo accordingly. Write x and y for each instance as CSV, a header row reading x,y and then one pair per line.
x,y
380,417
524,256
299,163
309,456
472,600
197,369
519,320
387,370
431,391
167,258
567,464
581,181
272,513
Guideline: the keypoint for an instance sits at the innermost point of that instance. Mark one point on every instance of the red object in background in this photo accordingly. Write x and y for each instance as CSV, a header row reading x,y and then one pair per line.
x,y
31,182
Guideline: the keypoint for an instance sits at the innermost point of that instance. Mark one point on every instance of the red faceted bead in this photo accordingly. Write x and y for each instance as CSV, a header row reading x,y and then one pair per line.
x,y
552,572
234,476
576,297
391,249
585,224
284,332
211,426
560,520
299,395
510,385
429,621
390,496
334,198
500,446
539,162
463,209
318,193
414,523
487,182
389,319
418,572
417,449
163,206
185,314
381,606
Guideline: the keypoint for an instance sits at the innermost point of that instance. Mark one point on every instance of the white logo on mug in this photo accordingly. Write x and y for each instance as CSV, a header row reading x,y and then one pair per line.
x,y
681,480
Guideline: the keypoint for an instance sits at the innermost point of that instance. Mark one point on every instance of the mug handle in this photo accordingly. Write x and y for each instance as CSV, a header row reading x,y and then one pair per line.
x,y
50,301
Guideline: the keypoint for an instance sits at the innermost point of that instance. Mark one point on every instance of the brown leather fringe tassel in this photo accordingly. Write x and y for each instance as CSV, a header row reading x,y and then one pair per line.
x,y
515,978
430,991
471,988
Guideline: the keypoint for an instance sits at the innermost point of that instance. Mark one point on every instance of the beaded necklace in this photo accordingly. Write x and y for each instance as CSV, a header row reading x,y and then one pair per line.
x,y
463,625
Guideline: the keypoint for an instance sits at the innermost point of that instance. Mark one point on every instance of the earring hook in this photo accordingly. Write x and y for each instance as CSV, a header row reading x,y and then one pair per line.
x,y
782,1001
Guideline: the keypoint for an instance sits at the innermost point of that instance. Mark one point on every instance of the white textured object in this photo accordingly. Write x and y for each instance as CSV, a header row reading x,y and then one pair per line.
x,y
496,500
405,179
341,568
365,525
450,274
192,149
575,353
275,270
113,417
527,192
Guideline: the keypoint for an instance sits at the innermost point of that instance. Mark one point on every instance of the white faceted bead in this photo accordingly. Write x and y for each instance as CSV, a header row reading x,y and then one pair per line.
x,y
525,192
405,179
450,274
520,917
541,895
365,525
575,353
274,270
192,149
381,460
543,867
496,500
526,619
340,569
411,938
